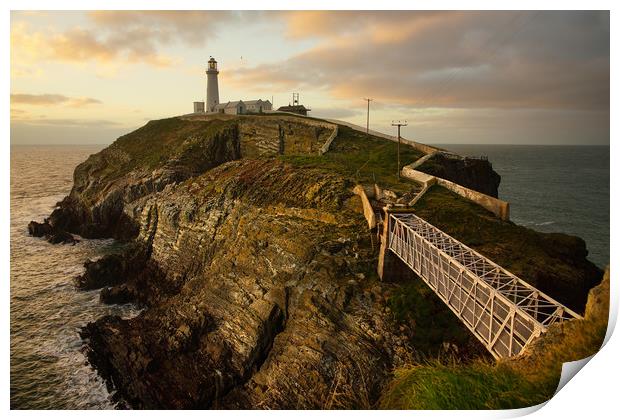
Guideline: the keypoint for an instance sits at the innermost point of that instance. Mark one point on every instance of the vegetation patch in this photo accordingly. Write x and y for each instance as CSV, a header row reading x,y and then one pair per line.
x,y
366,158
432,323
515,383
154,144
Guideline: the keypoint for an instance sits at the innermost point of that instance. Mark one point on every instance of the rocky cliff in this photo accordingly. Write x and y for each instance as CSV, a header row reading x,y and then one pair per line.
x,y
474,173
262,282
257,276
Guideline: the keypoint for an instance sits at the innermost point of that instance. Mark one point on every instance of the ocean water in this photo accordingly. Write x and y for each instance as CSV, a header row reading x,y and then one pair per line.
x,y
48,368
554,189
564,189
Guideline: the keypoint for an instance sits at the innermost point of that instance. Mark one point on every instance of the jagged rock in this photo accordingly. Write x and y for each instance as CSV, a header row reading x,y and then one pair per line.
x,y
61,237
51,233
120,294
39,229
257,277
257,282
112,269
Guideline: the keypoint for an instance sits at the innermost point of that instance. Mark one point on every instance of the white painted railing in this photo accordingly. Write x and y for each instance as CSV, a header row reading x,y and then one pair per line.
x,y
504,312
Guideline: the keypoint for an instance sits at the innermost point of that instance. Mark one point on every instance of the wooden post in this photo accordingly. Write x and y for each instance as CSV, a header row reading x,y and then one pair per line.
x,y
398,124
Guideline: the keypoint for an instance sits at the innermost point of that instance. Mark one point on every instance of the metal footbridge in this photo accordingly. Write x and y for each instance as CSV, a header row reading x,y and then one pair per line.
x,y
504,312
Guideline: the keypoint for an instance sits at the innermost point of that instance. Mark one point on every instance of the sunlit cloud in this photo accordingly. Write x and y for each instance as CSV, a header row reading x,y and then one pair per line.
x,y
130,36
66,122
461,60
51,99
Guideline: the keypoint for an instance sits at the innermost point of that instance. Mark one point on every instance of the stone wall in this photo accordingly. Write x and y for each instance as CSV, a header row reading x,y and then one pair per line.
x,y
369,213
498,207
270,135
264,136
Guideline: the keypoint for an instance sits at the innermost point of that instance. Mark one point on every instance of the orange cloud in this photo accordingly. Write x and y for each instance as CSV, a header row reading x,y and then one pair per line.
x,y
552,60
80,45
51,99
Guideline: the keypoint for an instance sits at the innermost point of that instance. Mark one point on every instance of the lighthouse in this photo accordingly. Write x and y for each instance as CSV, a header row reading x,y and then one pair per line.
x,y
213,94
213,105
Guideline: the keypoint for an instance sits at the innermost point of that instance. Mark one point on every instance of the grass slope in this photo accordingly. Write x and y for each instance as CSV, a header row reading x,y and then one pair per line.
x,y
368,159
153,144
522,382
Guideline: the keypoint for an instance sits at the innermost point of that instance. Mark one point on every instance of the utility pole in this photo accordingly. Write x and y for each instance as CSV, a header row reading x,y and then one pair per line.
x,y
398,124
367,113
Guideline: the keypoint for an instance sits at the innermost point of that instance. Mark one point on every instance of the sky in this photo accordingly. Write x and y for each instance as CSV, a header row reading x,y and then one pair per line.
x,y
501,77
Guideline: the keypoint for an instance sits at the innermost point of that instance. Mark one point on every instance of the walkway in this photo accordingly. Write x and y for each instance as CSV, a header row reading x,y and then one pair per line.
x,y
501,310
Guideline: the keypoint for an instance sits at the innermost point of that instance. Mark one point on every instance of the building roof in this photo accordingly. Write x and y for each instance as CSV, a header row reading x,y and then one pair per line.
x,y
229,104
294,108
256,102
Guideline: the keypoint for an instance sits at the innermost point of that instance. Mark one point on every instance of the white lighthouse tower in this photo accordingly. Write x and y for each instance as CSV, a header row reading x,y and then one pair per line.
x,y
213,94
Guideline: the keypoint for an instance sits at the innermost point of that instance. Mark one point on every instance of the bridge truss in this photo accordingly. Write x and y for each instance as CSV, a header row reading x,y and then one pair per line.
x,y
504,312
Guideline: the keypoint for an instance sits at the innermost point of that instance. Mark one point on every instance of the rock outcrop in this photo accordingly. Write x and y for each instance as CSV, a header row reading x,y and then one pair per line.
x,y
53,234
269,280
257,277
474,173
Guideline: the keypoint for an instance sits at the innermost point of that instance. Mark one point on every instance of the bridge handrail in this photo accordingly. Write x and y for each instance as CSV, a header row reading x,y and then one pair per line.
x,y
539,294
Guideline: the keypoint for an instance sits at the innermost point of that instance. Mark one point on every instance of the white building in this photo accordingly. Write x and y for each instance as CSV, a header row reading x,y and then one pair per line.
x,y
257,106
234,108
213,105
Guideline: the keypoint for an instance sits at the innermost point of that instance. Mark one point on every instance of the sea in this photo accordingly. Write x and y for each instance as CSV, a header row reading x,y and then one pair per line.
x,y
554,189
48,367
550,189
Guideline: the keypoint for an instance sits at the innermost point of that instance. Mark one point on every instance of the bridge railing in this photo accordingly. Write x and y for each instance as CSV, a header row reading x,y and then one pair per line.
x,y
502,311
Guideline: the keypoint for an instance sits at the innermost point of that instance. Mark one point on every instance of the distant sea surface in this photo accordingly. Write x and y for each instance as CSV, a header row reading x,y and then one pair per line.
x,y
551,189
554,189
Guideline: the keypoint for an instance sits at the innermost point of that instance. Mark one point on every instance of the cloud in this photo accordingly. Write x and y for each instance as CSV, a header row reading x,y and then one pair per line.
x,y
336,113
192,27
82,45
64,122
112,36
51,99
549,60
337,24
